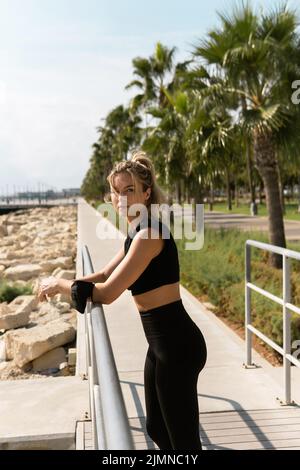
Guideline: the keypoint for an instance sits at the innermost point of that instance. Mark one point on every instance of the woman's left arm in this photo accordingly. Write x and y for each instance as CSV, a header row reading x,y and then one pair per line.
x,y
139,255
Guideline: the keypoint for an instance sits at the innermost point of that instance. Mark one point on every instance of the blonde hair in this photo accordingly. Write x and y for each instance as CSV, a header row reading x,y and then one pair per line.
x,y
141,168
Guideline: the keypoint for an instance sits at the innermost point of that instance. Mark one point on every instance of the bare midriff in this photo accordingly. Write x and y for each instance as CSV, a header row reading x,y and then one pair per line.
x,y
157,297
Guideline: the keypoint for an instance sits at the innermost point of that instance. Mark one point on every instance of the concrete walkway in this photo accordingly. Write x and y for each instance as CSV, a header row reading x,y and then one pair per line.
x,y
223,386
41,414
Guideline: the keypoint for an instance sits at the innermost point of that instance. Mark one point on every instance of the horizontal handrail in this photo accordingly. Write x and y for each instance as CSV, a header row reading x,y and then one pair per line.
x,y
274,249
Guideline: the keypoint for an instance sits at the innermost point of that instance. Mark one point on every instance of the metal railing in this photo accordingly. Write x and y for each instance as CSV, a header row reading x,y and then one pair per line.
x,y
287,307
110,425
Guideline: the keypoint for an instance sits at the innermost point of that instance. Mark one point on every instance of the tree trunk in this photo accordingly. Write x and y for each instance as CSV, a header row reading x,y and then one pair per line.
x,y
198,197
249,164
178,191
281,188
282,199
261,188
211,196
188,193
236,192
250,174
182,191
266,162
170,202
299,194
229,203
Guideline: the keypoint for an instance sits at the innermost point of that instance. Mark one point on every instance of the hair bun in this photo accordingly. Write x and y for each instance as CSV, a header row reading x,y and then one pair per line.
x,y
142,158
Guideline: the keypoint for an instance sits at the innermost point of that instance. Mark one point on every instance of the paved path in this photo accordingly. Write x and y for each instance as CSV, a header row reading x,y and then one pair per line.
x,y
41,414
217,219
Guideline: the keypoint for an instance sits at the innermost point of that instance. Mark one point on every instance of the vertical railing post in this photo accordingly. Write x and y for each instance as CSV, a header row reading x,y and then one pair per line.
x,y
286,329
248,334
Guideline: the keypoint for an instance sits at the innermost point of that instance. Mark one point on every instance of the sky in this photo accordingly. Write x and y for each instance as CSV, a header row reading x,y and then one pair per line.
x,y
64,65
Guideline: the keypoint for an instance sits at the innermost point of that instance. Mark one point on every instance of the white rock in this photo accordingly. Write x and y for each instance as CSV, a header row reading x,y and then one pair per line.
x,y
14,262
4,309
6,241
56,271
21,283
63,307
9,370
72,356
22,271
24,245
66,274
17,312
23,237
12,229
34,342
24,303
49,360
2,350
9,341
3,230
63,298
47,312
61,262
14,320
64,369
17,221
19,253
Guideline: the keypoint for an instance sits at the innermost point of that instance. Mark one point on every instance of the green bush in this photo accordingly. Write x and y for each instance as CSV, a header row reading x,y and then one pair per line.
x,y
9,292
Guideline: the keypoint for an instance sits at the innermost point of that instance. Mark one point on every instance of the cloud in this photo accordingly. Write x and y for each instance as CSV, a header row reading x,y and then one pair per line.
x,y
50,117
60,75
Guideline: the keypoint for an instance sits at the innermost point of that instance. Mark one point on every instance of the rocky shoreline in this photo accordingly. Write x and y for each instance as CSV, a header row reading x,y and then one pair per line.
x,y
37,339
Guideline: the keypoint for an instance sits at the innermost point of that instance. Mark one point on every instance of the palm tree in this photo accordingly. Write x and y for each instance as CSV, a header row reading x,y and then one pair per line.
x,y
124,131
259,58
165,145
142,68
216,141
151,74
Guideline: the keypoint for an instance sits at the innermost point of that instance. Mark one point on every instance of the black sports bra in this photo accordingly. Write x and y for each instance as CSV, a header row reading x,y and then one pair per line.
x,y
163,268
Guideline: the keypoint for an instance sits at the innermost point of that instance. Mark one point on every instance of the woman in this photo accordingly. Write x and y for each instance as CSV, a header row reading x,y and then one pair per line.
x,y
148,266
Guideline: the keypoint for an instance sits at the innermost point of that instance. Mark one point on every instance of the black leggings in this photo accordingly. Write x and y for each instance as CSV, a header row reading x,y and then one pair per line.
x,y
176,354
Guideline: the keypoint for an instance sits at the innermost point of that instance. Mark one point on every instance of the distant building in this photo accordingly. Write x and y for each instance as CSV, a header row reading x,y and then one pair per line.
x,y
70,192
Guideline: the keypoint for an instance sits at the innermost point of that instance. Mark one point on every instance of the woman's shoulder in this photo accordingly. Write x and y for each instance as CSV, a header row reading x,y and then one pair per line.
x,y
154,227
150,228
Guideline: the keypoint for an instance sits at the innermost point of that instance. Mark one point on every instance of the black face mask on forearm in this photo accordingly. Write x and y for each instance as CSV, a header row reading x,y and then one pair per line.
x,y
80,292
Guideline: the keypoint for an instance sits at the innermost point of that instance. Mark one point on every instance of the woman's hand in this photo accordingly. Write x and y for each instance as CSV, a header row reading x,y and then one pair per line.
x,y
48,288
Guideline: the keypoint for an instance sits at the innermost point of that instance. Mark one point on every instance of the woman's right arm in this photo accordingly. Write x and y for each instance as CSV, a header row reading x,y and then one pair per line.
x,y
104,274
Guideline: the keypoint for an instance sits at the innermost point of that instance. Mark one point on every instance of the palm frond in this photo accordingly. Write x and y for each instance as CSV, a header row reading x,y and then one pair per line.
x,y
136,83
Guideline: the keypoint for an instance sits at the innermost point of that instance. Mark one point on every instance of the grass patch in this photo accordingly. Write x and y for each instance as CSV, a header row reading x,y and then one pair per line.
x,y
9,292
